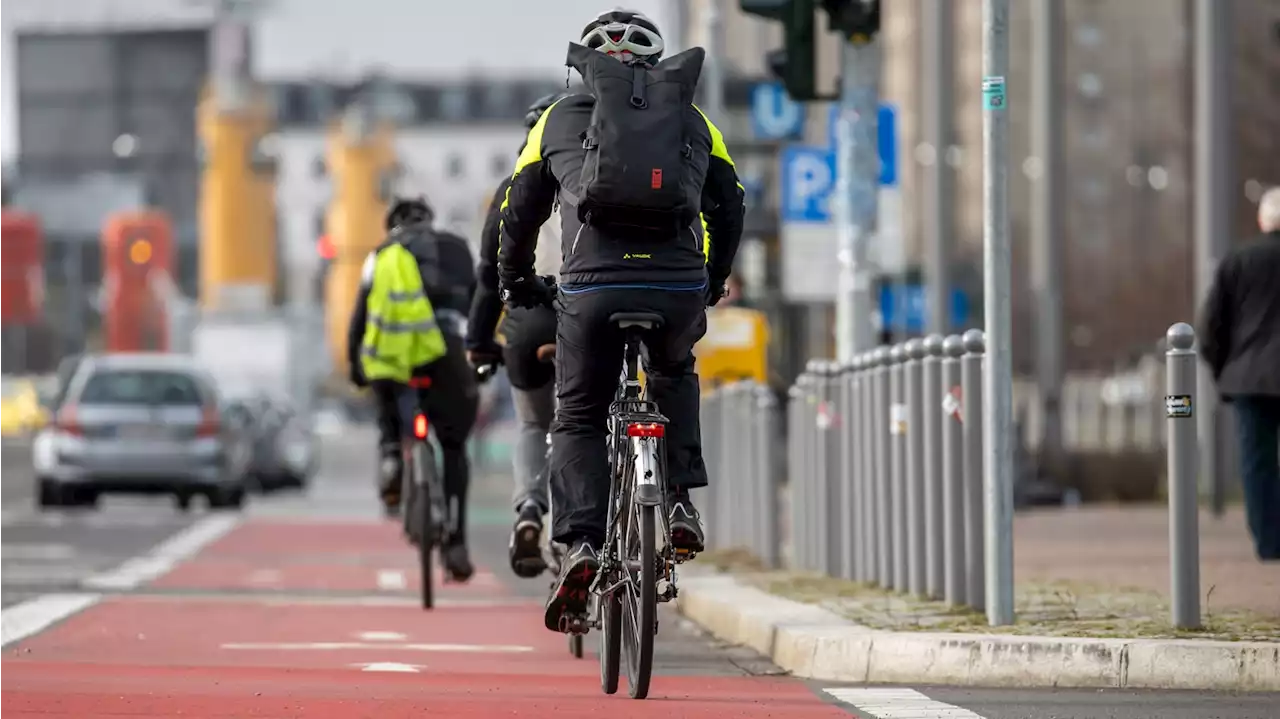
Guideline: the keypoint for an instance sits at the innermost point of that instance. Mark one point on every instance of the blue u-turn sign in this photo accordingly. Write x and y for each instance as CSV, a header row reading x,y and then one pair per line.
x,y
774,115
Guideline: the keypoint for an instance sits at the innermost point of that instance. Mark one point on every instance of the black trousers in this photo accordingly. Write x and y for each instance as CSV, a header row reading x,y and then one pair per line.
x,y
524,330
589,356
1258,419
451,404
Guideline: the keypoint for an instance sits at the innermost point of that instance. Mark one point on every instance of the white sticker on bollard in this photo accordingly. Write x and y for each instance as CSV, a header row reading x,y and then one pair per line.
x,y
898,419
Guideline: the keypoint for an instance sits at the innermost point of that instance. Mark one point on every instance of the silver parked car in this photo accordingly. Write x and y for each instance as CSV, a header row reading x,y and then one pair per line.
x,y
142,424
284,443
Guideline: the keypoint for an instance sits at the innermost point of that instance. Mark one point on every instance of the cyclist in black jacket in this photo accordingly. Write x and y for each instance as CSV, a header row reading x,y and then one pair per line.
x,y
523,331
448,275
601,274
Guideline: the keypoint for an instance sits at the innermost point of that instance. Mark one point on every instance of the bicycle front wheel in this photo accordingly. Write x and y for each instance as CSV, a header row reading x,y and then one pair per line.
x,y
640,603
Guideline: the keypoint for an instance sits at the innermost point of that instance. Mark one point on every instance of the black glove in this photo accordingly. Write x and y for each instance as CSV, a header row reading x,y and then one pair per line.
x,y
527,291
356,375
484,361
716,291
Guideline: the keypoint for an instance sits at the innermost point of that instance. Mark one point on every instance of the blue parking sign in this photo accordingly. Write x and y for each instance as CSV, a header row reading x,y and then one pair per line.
x,y
808,177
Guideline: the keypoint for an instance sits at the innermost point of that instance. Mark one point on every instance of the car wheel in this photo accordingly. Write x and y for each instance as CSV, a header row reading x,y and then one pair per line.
x,y
182,501
227,498
50,495
87,498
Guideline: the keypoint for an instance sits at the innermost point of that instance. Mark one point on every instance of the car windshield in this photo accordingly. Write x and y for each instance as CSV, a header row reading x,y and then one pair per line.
x,y
145,387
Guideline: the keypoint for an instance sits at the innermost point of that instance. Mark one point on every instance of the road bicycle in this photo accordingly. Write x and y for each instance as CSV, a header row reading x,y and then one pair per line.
x,y
636,572
426,513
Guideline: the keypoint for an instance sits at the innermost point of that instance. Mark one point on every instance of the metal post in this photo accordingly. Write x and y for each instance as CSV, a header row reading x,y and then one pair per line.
x,y
857,193
1213,188
882,441
766,420
954,589
898,418
741,467
712,74
1184,530
720,530
938,75
832,496
1046,234
912,378
850,479
867,468
997,270
806,497
971,395
931,427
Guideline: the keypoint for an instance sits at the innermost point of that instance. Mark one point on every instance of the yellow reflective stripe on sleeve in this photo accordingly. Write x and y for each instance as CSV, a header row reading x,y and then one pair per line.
x,y
718,148
531,154
706,240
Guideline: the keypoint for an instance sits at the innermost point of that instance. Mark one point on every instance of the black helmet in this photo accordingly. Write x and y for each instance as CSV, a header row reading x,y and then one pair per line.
x,y
540,106
407,211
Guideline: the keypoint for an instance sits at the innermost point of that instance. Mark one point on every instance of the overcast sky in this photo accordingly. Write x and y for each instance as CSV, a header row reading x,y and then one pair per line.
x,y
422,38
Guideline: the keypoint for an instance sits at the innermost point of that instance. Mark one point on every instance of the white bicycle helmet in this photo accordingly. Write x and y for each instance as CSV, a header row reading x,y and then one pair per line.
x,y
624,34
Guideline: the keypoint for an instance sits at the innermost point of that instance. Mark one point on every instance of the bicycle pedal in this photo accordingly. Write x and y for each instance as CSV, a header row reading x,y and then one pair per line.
x,y
572,624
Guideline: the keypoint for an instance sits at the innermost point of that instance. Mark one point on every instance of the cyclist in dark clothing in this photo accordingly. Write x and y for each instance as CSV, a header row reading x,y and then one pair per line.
x,y
523,332
452,401
605,271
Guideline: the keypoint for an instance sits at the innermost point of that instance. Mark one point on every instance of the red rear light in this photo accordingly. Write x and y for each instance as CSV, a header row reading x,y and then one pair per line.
x,y
210,423
66,421
651,429
420,426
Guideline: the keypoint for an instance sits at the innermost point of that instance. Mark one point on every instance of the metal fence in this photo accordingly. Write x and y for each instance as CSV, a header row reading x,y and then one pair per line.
x,y
873,471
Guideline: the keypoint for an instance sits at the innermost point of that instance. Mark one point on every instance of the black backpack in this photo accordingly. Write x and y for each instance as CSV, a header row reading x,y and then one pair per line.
x,y
641,172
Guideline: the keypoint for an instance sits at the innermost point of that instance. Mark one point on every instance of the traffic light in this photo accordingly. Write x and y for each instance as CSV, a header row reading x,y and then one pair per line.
x,y
858,20
796,62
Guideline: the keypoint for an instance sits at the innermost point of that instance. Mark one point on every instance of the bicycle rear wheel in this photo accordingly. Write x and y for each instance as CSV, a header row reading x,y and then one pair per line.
x,y
640,603
423,464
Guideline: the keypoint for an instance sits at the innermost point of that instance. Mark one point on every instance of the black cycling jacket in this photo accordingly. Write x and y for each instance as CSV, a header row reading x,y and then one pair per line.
x,y
486,305
552,158
448,276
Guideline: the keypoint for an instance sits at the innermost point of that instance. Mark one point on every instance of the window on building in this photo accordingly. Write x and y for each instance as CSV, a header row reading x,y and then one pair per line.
x,y
455,167
502,164
453,103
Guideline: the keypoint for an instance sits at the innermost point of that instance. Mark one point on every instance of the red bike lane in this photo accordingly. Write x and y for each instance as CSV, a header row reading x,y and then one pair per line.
x,y
321,619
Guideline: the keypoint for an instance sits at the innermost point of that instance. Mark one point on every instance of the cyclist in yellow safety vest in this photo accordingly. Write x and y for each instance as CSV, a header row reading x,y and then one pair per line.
x,y
405,344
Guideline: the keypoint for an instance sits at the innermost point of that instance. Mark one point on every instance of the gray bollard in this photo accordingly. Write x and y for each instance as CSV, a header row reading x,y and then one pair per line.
x,y
711,448
898,417
971,407
1183,458
884,469
808,489
867,467
793,470
955,589
766,451
832,496
848,475
931,426
912,375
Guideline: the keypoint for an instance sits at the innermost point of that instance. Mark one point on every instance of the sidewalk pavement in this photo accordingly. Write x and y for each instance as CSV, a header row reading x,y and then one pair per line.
x,y
1091,605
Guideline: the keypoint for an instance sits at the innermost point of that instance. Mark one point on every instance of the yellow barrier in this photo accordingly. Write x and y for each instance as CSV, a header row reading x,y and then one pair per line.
x,y
734,348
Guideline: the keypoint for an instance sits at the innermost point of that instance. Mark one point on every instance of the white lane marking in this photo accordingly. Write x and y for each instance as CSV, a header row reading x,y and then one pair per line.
x,y
391,579
332,646
165,556
34,615
381,636
389,667
38,552
899,704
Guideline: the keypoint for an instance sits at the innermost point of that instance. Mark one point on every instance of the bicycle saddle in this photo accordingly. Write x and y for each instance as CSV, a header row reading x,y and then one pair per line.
x,y
643,320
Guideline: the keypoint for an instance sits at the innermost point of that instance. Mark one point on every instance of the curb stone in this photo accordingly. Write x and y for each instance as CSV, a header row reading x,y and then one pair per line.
x,y
814,643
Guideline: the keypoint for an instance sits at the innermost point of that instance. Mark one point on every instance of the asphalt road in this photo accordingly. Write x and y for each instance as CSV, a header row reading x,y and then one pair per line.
x,y
56,552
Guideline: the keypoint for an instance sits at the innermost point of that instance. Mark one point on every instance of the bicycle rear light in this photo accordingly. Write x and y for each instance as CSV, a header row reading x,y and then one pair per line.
x,y
420,426
650,429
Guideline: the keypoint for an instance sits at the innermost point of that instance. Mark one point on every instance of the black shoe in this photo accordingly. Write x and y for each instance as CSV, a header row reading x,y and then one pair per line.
x,y
570,594
686,528
457,562
525,548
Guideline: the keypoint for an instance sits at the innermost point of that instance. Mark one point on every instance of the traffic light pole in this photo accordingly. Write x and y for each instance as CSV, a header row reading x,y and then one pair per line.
x,y
857,194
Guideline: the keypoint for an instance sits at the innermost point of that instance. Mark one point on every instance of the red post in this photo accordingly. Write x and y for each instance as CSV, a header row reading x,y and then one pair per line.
x,y
137,257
